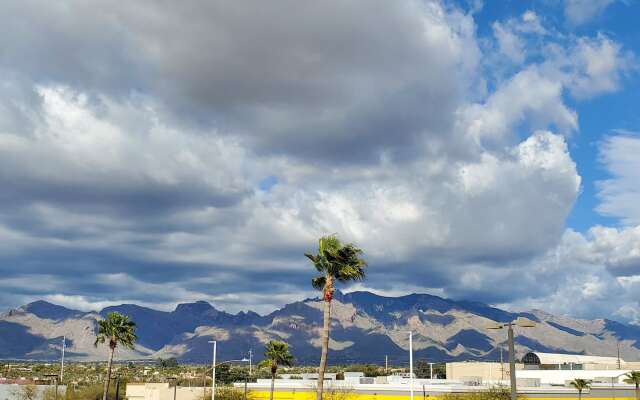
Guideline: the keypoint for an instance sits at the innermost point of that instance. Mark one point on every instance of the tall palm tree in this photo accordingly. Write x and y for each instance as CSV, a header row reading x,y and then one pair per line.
x,y
276,354
116,329
339,262
634,378
580,384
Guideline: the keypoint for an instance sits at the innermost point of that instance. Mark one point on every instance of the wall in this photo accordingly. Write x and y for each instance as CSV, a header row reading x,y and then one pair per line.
x,y
559,377
487,371
9,391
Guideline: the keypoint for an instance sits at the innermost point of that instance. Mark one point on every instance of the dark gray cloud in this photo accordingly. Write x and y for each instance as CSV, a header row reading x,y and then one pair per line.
x,y
340,81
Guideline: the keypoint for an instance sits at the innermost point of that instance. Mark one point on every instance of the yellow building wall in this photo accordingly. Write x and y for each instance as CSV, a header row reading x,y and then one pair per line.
x,y
307,395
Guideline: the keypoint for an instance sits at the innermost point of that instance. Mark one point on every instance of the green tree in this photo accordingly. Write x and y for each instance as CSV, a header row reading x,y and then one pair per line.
x,y
368,370
422,369
115,330
580,385
171,362
276,354
335,261
633,377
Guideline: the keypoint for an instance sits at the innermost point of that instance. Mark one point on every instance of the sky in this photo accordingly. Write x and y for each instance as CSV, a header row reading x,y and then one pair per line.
x,y
166,152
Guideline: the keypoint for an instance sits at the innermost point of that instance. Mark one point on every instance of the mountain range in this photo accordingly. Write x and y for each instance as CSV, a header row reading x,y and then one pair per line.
x,y
365,328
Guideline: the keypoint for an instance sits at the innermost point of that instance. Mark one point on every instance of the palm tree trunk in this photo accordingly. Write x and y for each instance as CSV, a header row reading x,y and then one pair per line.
x,y
106,382
273,383
325,345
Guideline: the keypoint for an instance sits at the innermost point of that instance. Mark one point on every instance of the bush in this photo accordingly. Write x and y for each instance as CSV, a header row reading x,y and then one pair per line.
x,y
226,393
94,392
493,393
50,394
338,394
369,370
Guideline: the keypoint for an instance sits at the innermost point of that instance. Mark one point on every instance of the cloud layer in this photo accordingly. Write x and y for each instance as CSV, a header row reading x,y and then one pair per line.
x,y
165,153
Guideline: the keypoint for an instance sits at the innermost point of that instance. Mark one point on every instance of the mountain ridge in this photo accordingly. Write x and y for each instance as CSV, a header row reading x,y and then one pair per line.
x,y
366,327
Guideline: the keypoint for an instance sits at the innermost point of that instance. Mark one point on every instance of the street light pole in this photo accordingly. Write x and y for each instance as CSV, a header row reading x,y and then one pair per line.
x,y
523,323
64,343
411,363
213,372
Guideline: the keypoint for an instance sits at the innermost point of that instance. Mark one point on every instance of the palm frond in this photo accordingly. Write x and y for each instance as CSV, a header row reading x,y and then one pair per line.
x,y
343,262
319,282
581,384
632,377
278,354
117,329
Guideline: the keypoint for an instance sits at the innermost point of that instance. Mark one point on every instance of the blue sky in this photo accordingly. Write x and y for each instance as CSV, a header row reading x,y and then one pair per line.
x,y
600,116
162,153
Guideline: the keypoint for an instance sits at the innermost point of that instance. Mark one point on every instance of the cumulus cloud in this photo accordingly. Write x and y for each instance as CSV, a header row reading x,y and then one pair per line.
x,y
587,268
530,96
136,161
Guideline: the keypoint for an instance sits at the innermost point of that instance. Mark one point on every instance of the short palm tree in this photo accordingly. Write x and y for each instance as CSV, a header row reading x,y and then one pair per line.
x,y
339,262
276,354
580,384
633,377
116,329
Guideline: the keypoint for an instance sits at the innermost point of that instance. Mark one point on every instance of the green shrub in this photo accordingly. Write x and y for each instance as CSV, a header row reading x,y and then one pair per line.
x,y
226,393
493,393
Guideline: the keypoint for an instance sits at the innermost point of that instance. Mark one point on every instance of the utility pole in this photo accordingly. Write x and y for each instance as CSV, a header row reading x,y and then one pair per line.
x,y
64,343
250,362
431,370
501,363
618,345
386,365
204,383
54,376
512,363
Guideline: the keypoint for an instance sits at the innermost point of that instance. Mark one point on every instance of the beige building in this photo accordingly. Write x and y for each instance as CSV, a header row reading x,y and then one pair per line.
x,y
162,391
485,371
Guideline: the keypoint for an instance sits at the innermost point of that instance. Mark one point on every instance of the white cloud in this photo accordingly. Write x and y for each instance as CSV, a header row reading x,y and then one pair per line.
x,y
509,43
579,12
619,195
529,96
134,172
513,35
599,66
